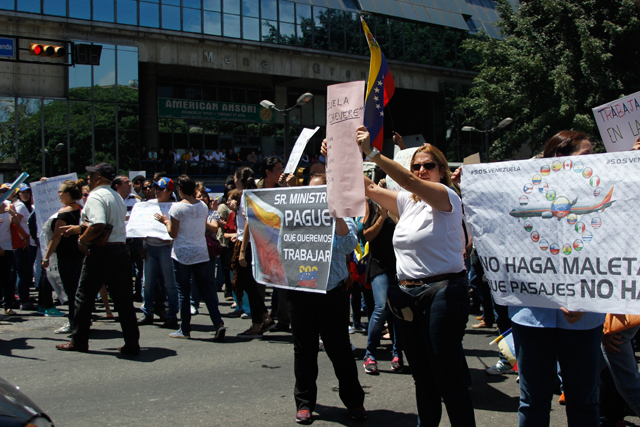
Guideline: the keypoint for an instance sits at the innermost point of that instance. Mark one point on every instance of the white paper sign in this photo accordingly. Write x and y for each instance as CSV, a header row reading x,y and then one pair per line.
x,y
558,232
142,222
619,122
133,174
404,158
298,149
46,201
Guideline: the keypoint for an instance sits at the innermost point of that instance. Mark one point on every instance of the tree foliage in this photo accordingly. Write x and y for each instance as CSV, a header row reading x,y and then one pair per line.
x,y
558,60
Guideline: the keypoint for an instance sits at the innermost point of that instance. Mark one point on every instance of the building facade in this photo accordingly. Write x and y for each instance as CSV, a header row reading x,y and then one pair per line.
x,y
177,74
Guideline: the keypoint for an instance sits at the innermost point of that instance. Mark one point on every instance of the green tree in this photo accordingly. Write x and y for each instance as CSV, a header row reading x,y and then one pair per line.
x,y
558,59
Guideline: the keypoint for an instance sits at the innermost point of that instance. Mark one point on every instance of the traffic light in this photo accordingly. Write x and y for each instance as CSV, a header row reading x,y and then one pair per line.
x,y
88,54
47,50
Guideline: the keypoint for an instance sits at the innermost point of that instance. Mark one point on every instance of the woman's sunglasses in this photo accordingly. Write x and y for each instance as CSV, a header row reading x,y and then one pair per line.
x,y
147,187
428,166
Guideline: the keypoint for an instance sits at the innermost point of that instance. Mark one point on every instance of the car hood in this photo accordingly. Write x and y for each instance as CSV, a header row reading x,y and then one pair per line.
x,y
15,404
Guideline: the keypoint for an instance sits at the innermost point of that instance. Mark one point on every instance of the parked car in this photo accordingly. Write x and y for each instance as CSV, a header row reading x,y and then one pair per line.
x,y
17,410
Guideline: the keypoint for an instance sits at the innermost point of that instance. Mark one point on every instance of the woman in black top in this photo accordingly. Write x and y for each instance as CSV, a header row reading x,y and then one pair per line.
x,y
66,248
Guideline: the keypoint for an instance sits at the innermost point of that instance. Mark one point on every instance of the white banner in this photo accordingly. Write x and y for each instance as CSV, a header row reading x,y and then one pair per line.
x,y
46,200
404,158
298,149
142,222
133,174
619,122
558,232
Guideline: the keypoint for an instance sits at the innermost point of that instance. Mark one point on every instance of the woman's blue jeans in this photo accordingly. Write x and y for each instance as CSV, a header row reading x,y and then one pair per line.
x,y
433,345
158,260
183,274
578,353
380,286
624,369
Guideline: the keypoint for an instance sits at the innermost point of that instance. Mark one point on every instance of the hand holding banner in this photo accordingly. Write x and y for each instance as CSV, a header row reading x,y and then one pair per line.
x,y
46,200
142,222
298,149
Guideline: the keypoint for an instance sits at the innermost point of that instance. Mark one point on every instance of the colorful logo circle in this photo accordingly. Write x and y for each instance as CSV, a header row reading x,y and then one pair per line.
x,y
528,226
567,165
535,236
596,222
566,249
536,179
580,227
594,181
544,170
551,195
587,172
544,245
554,249
524,201
597,191
543,187
572,219
561,207
578,245
528,188
578,167
556,166
587,236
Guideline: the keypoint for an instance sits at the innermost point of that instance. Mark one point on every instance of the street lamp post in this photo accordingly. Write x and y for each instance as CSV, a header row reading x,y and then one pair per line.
x,y
504,123
303,99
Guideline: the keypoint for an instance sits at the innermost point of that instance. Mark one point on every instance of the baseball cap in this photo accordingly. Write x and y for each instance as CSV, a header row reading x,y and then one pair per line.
x,y
165,183
104,169
23,187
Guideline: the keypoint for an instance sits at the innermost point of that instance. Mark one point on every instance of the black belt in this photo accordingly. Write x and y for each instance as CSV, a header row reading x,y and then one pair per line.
x,y
413,283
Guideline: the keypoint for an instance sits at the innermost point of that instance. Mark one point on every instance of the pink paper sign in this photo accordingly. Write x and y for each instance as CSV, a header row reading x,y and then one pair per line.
x,y
345,183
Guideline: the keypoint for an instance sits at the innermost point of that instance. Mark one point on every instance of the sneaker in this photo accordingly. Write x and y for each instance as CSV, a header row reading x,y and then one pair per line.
x,y
397,364
303,416
245,316
41,311
219,333
178,334
360,327
320,345
250,334
352,330
358,414
28,306
9,312
194,311
267,326
500,368
370,366
53,312
65,329
236,313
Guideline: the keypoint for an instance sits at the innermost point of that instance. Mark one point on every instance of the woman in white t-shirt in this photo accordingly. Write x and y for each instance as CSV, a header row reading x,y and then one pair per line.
x,y
190,255
25,257
429,244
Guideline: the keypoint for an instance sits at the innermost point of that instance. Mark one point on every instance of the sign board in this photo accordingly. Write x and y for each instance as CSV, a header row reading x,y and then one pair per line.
x,y
46,200
292,236
142,222
619,122
558,232
403,157
133,174
298,149
213,110
7,47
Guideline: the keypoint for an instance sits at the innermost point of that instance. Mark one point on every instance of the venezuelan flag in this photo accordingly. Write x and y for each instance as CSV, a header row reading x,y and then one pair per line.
x,y
380,88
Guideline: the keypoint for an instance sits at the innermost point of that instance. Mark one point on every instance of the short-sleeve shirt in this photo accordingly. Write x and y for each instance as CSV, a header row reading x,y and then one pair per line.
x,y
428,242
21,209
190,245
105,206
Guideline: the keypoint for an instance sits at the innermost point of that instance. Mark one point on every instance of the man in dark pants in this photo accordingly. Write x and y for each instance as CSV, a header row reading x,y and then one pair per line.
x,y
326,315
108,264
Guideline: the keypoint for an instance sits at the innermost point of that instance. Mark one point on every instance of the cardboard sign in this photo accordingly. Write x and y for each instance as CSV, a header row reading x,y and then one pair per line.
x,y
619,122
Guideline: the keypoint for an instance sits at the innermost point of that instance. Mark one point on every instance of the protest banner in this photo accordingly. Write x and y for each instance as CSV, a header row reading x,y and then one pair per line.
x,y
46,200
142,222
133,174
292,236
345,184
558,232
403,157
298,149
619,122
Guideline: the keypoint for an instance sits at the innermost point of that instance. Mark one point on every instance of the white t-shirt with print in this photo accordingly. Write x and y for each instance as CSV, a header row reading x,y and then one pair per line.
x,y
190,245
428,242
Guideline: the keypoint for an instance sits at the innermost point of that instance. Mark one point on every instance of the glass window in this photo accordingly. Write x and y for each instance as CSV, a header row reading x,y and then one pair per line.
x,y
171,17
231,6
80,82
251,29
191,20
173,2
194,92
303,12
212,23
7,4
225,93
269,9
213,5
231,26
80,9
128,12
251,8
164,90
127,76
103,10
320,15
29,6
270,31
287,34
209,93
104,75
287,12
196,4
55,7
149,15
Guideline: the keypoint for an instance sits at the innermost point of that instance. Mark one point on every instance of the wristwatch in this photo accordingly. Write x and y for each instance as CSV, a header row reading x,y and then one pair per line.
x,y
374,152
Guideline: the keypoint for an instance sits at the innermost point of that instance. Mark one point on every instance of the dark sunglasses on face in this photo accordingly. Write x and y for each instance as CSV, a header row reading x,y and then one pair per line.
x,y
85,195
427,166
147,188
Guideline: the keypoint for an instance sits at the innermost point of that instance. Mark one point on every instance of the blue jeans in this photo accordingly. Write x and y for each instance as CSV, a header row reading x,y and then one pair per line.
x,y
183,277
159,260
433,345
379,286
24,259
578,352
624,369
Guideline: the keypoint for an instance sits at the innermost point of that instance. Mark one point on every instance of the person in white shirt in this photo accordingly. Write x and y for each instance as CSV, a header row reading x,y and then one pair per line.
x,y
25,256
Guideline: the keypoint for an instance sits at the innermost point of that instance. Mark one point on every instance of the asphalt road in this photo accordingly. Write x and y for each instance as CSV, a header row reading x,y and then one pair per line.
x,y
199,382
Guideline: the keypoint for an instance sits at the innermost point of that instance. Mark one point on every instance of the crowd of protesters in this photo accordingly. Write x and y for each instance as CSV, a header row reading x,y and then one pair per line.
x,y
406,263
